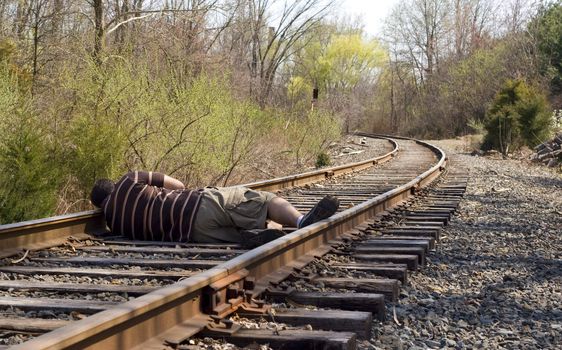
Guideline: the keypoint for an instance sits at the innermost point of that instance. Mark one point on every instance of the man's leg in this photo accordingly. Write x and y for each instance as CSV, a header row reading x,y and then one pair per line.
x,y
282,212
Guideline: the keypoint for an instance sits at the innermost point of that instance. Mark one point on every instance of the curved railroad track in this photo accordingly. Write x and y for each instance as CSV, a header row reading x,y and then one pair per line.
x,y
158,295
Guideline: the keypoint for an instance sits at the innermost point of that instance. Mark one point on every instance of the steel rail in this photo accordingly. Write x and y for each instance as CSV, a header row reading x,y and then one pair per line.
x,y
320,175
35,233
179,306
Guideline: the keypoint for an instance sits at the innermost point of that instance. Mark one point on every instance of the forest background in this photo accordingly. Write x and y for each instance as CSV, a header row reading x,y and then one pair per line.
x,y
210,90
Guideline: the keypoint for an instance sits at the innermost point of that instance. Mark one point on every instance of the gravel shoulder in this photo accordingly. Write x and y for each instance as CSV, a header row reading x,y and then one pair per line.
x,y
495,281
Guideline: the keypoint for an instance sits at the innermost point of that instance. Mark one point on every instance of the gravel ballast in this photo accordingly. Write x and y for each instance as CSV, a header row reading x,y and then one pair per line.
x,y
495,280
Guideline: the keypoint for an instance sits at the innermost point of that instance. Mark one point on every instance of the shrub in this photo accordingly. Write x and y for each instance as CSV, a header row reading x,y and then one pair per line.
x,y
123,117
103,119
518,116
323,159
29,179
96,103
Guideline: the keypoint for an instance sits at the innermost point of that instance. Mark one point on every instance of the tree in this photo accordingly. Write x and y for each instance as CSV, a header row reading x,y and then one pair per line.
x,y
449,58
472,21
339,65
546,30
418,31
274,40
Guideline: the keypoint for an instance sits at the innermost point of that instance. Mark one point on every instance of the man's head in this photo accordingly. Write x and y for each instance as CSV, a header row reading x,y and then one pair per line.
x,y
102,189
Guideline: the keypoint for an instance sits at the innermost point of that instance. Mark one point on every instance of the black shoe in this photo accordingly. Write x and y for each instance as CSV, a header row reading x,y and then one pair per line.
x,y
322,210
255,238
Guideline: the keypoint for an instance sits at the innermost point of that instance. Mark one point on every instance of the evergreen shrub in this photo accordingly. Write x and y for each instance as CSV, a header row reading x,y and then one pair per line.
x,y
518,116
29,179
323,159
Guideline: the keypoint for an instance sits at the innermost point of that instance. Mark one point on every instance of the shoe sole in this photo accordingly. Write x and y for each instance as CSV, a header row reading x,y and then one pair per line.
x,y
327,207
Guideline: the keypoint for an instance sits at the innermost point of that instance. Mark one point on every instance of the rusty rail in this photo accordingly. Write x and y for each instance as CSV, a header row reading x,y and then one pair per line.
x,y
177,309
319,175
34,234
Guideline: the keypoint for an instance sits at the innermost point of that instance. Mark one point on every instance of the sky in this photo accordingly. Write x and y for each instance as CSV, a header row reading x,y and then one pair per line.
x,y
373,12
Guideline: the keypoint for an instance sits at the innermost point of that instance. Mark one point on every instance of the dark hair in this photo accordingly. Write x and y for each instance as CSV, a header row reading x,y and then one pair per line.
x,y
102,189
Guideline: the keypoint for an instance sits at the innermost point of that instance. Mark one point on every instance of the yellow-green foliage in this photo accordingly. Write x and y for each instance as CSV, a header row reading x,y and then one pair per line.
x,y
96,105
122,118
546,28
350,58
298,89
339,63
23,76
473,80
225,132
104,119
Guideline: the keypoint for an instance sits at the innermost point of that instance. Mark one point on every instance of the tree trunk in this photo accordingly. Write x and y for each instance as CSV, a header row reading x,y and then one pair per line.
x,y
35,44
99,30
56,23
393,121
22,16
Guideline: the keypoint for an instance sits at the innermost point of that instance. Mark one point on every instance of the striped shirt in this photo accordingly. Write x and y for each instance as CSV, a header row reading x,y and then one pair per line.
x,y
140,208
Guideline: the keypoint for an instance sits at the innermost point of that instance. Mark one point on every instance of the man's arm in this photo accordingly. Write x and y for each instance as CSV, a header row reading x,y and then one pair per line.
x,y
173,184
156,179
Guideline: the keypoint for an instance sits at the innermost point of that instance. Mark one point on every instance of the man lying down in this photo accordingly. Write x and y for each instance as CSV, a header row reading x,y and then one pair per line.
x,y
152,206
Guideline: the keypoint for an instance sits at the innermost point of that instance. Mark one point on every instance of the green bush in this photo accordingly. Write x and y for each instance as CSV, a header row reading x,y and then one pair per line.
x,y
323,159
96,103
519,116
29,178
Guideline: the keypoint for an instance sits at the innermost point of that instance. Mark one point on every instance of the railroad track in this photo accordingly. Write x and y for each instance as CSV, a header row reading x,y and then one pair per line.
x,y
77,289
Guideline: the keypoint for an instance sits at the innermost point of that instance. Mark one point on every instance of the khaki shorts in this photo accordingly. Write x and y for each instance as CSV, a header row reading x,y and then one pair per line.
x,y
223,212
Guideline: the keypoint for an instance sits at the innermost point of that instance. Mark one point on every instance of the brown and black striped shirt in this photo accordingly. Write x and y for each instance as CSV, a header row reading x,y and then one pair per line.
x,y
140,208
